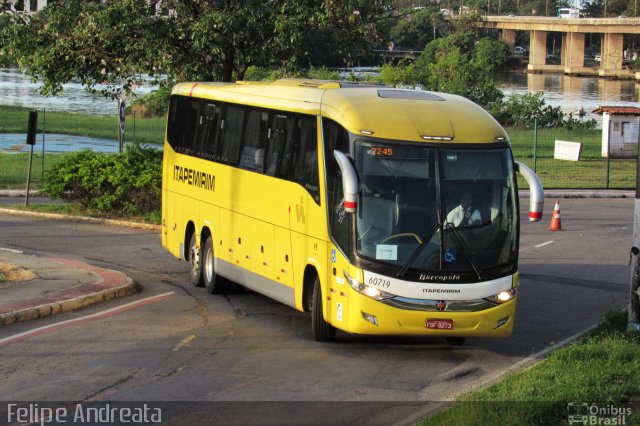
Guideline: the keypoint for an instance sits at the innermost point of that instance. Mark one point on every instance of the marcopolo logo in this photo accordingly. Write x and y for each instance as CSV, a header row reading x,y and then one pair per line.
x,y
581,413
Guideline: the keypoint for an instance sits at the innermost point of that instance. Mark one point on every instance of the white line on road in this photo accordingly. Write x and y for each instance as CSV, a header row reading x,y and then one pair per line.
x,y
544,244
11,250
67,323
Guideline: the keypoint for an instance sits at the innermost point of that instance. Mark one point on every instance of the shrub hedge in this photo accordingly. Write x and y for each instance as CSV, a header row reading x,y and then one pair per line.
x,y
126,183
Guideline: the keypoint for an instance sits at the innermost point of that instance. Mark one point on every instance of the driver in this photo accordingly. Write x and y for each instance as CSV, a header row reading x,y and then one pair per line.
x,y
464,214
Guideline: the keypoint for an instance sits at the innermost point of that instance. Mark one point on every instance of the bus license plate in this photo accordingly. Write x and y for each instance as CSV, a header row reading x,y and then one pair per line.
x,y
439,324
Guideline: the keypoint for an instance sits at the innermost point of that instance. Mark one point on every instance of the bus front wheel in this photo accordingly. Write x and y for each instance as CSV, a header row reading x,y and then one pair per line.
x,y
322,330
195,262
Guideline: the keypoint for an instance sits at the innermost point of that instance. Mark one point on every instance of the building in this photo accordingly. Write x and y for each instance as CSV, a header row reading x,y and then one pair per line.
x,y
620,131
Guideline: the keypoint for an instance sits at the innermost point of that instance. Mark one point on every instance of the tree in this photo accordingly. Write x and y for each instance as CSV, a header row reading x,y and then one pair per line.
x,y
491,55
414,30
195,40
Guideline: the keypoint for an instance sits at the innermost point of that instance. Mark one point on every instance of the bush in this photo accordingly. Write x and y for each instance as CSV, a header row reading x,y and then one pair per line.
x,y
153,104
323,73
521,111
126,183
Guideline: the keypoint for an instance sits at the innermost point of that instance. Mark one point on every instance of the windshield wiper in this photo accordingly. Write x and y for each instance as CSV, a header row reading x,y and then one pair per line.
x,y
427,238
467,252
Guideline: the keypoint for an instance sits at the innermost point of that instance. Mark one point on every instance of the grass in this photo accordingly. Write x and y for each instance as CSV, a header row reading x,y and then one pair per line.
x,y
11,273
14,167
588,173
522,141
604,368
143,130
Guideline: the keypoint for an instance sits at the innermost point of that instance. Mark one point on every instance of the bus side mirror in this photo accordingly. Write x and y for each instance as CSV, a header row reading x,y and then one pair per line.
x,y
536,197
349,182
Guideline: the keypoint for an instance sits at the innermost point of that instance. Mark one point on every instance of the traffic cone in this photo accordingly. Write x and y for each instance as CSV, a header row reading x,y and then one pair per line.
x,y
555,218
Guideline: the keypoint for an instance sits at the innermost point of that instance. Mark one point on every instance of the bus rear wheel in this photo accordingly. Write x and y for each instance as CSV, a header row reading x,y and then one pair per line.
x,y
214,283
208,270
195,263
321,329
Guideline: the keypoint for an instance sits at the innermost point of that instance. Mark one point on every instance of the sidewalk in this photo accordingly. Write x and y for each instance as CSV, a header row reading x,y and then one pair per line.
x,y
60,285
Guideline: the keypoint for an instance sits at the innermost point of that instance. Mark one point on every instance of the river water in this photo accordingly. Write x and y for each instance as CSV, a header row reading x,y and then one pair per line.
x,y
568,92
17,89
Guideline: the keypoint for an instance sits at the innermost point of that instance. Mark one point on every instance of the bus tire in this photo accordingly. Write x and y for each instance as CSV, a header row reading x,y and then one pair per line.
x,y
195,262
214,283
455,341
208,269
322,330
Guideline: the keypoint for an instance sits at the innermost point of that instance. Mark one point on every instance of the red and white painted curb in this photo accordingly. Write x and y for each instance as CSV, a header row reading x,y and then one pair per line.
x,y
110,284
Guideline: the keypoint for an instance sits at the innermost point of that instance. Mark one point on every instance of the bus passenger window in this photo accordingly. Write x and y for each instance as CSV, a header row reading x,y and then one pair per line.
x,y
231,127
207,146
278,155
183,123
255,133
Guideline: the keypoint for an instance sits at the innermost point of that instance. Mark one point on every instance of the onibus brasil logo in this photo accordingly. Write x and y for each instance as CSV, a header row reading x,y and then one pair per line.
x,y
581,413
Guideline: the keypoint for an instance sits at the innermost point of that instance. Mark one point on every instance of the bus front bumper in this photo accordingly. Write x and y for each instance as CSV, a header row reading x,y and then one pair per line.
x,y
369,316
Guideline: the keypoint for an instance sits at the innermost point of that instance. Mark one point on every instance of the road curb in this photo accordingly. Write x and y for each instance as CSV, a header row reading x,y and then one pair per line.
x,y
559,193
86,219
118,284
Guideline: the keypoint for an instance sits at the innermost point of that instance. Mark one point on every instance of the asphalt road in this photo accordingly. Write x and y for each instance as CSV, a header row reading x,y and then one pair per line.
x,y
255,359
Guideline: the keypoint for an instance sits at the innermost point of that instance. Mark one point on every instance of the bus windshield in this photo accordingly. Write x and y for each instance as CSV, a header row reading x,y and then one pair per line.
x,y
431,209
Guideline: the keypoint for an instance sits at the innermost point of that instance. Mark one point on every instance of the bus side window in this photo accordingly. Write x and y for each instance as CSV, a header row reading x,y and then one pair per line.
x,y
232,126
211,122
335,138
339,220
306,156
277,154
255,133
183,125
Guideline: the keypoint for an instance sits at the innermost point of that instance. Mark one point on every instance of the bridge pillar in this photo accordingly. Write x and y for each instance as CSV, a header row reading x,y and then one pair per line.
x,y
537,50
611,55
572,52
509,38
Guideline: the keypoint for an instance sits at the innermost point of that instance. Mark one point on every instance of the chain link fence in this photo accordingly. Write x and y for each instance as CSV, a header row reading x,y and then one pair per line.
x,y
60,133
591,159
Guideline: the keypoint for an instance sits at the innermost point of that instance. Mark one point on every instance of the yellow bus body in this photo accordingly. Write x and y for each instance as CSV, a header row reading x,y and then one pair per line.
x,y
270,235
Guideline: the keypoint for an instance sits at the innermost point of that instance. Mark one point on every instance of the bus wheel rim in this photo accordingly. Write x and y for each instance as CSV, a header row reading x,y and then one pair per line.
x,y
208,265
194,259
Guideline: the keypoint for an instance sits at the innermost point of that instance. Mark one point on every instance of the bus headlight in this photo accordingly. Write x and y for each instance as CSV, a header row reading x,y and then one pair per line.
x,y
371,291
503,296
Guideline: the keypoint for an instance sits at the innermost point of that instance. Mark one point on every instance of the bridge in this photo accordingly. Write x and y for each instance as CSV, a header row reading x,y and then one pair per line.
x,y
573,42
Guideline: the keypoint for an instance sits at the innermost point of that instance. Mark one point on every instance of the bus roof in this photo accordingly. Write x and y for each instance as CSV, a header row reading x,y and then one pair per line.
x,y
379,111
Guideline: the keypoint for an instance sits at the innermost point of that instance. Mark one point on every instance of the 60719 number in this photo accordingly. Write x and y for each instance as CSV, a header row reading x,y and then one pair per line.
x,y
379,282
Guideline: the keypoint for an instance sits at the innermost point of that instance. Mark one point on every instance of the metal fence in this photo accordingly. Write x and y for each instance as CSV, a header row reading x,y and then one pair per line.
x,y
60,133
590,160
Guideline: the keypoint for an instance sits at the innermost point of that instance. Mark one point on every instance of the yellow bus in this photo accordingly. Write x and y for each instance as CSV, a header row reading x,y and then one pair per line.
x,y
377,210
